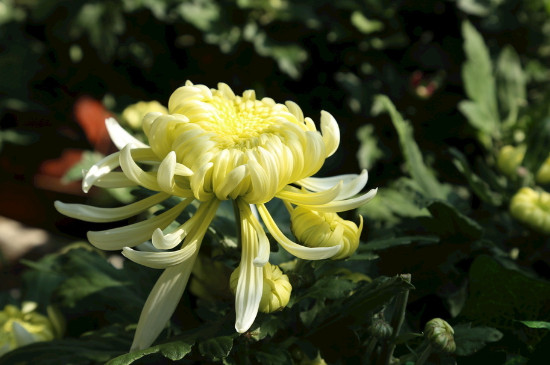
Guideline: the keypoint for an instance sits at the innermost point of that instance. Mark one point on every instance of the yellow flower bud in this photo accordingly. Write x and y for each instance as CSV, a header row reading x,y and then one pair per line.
x,y
276,288
321,229
532,208
133,114
440,334
543,174
20,327
509,158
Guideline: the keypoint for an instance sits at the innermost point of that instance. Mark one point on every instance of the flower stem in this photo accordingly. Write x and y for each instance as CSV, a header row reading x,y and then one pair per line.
x,y
424,355
396,322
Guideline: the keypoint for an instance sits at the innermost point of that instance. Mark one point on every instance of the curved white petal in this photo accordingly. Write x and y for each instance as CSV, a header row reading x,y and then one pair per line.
x,y
103,167
161,303
97,214
21,335
352,183
301,197
306,253
114,180
343,205
250,283
120,136
134,234
330,131
161,260
134,172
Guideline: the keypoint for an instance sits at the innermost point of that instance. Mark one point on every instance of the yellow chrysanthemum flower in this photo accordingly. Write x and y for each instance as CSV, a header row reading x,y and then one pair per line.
x,y
532,208
214,146
133,114
20,327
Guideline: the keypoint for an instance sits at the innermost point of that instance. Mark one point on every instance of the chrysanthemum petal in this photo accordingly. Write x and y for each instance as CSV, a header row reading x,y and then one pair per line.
x,y
133,234
161,260
114,180
306,253
120,136
134,172
330,131
250,283
301,197
161,303
343,205
97,214
352,183
103,167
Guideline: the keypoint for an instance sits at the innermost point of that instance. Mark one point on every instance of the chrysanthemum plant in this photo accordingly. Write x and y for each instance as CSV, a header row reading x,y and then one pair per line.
x,y
213,146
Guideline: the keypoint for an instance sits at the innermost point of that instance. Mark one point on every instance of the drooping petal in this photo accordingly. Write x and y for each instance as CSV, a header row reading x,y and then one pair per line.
x,y
134,234
97,214
352,183
114,180
343,205
161,303
250,284
161,260
306,253
165,176
120,136
134,172
301,197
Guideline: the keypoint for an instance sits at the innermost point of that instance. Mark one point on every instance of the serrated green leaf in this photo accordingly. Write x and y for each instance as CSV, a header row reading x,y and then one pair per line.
x,y
175,350
479,186
537,324
216,348
415,163
469,339
479,83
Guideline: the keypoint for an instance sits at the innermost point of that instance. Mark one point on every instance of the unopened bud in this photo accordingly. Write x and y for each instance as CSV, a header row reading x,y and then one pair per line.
x,y
440,334
543,174
133,114
532,208
276,288
509,158
380,329
321,229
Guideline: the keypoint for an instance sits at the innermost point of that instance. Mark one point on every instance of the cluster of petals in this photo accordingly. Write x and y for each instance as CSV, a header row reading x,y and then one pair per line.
x,y
211,146
532,207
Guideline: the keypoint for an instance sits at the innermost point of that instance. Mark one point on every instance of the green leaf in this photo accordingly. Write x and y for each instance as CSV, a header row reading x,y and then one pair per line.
x,y
499,296
479,186
368,152
93,348
216,348
415,163
479,83
511,83
448,221
175,350
385,243
537,324
472,339
272,355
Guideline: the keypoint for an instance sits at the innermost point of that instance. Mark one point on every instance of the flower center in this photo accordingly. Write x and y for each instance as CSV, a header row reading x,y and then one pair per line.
x,y
239,123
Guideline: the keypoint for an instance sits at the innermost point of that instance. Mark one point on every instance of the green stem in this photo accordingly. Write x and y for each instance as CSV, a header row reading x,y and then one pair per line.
x,y
424,355
396,322
370,349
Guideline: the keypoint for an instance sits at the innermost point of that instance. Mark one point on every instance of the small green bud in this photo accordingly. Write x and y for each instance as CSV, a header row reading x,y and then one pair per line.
x,y
543,174
440,335
380,329
509,158
532,207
